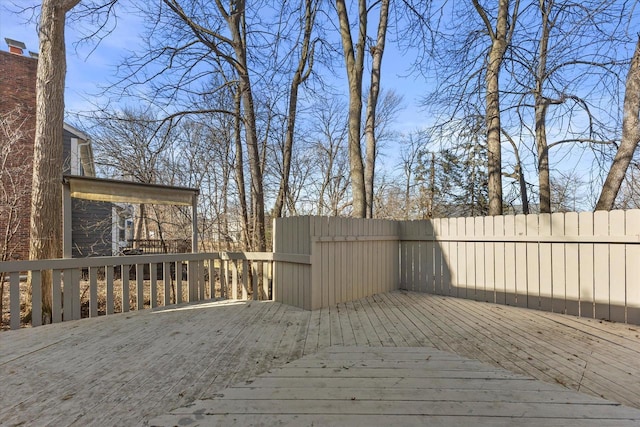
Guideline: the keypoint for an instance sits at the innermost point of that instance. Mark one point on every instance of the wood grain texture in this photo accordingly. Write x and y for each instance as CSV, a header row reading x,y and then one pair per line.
x,y
130,367
358,385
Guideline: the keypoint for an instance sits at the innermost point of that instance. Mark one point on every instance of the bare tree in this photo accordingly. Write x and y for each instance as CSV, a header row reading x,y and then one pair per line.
x,y
354,61
468,52
566,193
14,185
301,73
500,37
46,192
328,139
354,58
630,136
377,51
575,65
629,195
412,145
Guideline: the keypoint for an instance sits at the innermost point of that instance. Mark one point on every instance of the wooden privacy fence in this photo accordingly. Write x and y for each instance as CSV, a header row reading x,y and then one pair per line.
x,y
88,287
323,261
584,264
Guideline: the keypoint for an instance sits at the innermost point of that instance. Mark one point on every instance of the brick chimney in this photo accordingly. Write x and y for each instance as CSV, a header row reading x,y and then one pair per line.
x,y
15,46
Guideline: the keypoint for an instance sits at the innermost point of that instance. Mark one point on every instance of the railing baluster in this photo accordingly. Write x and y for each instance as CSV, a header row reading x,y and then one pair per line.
x,y
266,279
76,312
191,281
93,292
254,268
14,304
67,296
201,285
139,286
78,284
125,288
178,282
56,297
211,271
153,289
166,277
234,276
109,276
245,280
36,298
223,279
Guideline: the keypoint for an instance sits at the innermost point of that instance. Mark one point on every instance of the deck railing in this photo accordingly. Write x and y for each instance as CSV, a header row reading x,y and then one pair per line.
x,y
583,264
89,287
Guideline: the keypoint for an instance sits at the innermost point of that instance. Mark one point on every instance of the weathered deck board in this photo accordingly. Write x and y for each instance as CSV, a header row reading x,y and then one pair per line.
x,y
371,383
127,368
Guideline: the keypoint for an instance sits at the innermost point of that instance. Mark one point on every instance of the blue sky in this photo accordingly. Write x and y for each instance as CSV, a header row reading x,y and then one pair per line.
x,y
90,67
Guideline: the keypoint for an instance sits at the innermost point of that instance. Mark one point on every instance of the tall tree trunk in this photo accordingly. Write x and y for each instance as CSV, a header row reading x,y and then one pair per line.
x,y
630,136
354,61
432,186
372,102
239,167
540,107
302,73
236,24
492,98
544,182
46,193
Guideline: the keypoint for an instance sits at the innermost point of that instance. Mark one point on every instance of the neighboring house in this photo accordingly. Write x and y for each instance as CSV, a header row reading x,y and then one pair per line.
x,y
99,228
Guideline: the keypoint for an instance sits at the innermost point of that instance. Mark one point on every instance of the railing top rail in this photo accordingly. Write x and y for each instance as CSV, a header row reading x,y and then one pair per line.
x,y
71,263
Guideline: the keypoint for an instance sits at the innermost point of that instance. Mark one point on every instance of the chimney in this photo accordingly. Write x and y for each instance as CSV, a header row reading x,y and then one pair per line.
x,y
15,46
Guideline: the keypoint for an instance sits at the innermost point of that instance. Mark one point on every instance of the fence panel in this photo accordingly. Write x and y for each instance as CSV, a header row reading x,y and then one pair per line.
x,y
499,228
338,260
617,273
558,264
510,261
574,263
546,264
489,261
533,264
601,266
520,266
632,255
587,279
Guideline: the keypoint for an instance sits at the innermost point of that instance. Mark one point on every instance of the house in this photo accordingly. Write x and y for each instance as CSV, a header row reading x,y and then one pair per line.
x,y
99,228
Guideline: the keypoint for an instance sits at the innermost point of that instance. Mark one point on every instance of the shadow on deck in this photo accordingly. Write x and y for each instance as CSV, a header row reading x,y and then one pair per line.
x,y
129,368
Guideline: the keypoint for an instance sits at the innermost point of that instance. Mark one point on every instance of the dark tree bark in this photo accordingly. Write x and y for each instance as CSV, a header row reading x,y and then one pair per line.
x,y
354,61
499,41
301,74
46,193
372,102
630,136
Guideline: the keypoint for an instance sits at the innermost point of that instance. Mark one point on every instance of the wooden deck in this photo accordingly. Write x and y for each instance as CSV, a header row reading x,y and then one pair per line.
x,y
408,386
131,368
